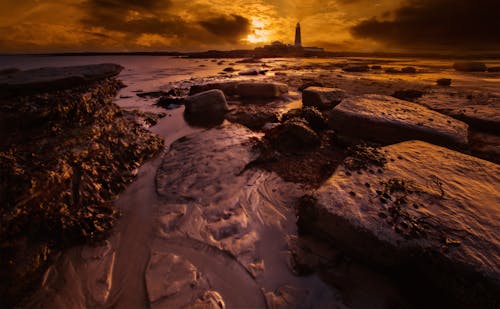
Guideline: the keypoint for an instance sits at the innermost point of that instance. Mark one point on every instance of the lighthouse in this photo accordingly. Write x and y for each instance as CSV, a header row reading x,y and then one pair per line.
x,y
298,38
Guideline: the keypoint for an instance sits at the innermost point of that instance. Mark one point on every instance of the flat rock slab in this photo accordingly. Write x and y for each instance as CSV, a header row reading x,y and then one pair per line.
x,y
390,120
429,209
50,78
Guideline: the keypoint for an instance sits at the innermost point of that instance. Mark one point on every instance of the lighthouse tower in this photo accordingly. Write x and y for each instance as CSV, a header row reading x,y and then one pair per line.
x,y
298,38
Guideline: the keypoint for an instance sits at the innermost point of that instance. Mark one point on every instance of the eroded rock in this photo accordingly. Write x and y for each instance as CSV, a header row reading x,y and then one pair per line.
x,y
432,211
293,135
322,98
211,102
388,120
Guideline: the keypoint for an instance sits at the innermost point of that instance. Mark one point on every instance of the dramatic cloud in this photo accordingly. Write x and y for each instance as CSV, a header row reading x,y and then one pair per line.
x,y
230,27
179,25
437,24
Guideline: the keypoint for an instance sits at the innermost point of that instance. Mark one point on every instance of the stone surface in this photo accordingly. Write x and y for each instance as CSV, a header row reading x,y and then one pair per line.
x,y
322,98
210,102
261,90
50,78
253,117
293,136
229,88
431,211
389,120
469,66
314,117
356,68
409,70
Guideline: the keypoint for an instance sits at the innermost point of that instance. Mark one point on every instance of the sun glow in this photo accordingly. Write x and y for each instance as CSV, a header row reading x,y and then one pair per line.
x,y
259,33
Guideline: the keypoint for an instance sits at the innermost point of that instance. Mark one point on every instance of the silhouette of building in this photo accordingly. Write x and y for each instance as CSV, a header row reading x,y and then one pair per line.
x,y
298,37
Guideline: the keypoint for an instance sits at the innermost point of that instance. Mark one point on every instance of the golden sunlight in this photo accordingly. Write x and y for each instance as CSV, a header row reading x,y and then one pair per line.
x,y
259,34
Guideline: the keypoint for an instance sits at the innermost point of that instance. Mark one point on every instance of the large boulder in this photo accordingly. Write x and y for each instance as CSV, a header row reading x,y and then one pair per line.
x,y
229,88
389,120
470,66
430,212
56,78
261,90
211,102
322,97
293,136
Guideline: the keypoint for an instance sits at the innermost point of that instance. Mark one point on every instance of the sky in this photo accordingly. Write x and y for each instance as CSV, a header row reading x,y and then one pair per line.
x,y
30,26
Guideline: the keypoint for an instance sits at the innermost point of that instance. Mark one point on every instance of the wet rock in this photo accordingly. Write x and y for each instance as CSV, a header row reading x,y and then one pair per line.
x,y
252,117
229,69
229,88
322,98
388,120
209,300
392,71
431,213
261,90
170,102
494,69
313,117
52,78
249,72
211,102
356,68
469,66
408,95
410,70
444,82
293,136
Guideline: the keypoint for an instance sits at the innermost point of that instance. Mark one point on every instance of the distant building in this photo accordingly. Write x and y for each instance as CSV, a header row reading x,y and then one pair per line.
x,y
298,37
280,48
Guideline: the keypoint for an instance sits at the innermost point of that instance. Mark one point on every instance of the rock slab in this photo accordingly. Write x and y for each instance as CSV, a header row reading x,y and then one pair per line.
x,y
390,120
211,102
262,90
50,78
431,210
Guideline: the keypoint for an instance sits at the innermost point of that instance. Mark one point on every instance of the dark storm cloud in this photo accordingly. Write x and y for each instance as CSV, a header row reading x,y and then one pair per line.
x,y
230,27
452,24
157,17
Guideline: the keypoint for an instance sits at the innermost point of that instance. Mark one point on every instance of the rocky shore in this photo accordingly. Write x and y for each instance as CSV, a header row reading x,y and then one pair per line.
x,y
65,152
316,185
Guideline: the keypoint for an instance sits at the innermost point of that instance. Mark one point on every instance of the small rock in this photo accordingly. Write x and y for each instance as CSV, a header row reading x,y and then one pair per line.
x,y
208,102
356,68
249,72
293,136
410,70
322,98
408,95
469,66
229,69
444,82
392,71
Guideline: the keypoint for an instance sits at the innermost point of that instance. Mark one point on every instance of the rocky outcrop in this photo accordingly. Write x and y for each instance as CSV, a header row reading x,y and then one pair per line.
x,y
261,90
293,136
389,120
322,98
55,78
211,102
469,66
431,212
